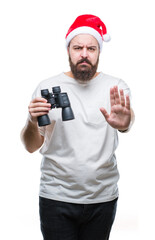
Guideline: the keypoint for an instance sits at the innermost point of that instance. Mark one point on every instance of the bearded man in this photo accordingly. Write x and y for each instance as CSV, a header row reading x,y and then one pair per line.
x,y
78,188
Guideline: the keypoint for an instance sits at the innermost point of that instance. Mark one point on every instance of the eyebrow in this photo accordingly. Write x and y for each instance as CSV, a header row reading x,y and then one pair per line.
x,y
80,45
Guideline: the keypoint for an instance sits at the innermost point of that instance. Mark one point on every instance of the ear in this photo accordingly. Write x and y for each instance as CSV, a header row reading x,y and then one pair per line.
x,y
68,50
99,49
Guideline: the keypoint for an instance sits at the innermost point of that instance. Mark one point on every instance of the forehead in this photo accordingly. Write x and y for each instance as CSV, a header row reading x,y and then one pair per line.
x,y
84,39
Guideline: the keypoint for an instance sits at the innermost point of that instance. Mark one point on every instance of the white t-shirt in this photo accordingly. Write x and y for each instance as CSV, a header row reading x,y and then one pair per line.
x,y
79,163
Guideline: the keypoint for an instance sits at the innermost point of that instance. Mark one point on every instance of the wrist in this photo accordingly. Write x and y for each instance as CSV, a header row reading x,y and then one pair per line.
x,y
123,131
126,129
32,122
32,119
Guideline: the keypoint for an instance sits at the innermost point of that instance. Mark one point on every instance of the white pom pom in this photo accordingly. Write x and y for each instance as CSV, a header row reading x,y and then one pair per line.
x,y
106,37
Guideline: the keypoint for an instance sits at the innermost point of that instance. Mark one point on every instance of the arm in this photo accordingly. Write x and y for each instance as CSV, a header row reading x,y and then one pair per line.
x,y
121,116
30,135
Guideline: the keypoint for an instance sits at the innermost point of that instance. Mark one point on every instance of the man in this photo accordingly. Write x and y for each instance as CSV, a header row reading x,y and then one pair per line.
x,y
78,189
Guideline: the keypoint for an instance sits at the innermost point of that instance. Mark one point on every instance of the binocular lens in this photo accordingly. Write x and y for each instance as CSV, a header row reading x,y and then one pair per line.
x,y
43,120
67,114
56,90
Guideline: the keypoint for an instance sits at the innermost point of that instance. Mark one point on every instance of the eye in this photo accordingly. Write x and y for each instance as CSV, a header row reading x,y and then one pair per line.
x,y
77,48
91,49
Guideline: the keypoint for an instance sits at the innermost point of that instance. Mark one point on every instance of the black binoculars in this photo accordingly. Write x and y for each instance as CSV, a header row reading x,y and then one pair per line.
x,y
57,100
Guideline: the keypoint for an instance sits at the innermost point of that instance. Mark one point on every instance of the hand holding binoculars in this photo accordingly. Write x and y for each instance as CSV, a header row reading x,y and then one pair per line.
x,y
57,100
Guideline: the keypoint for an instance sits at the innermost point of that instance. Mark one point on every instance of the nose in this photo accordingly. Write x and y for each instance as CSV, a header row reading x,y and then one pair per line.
x,y
84,53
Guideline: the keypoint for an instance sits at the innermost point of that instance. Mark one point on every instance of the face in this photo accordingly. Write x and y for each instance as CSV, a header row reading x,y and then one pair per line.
x,y
83,54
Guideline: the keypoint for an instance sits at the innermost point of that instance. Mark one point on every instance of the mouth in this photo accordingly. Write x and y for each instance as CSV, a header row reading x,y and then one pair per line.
x,y
84,63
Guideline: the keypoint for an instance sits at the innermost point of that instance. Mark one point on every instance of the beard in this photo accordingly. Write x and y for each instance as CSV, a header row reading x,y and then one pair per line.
x,y
83,73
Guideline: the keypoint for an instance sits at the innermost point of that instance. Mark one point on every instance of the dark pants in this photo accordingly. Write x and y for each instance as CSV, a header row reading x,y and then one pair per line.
x,y
68,221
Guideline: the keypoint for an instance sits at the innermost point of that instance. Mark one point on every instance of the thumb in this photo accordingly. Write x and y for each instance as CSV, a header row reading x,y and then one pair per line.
x,y
104,112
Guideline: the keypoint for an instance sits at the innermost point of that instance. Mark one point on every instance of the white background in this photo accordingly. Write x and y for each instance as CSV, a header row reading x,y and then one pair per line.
x,y
32,48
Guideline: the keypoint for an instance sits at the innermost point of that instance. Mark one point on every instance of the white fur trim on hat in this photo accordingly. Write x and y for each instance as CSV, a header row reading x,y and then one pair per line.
x,y
85,30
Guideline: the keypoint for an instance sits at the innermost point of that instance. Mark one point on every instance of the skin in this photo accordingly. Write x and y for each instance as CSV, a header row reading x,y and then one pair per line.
x,y
121,115
30,135
81,46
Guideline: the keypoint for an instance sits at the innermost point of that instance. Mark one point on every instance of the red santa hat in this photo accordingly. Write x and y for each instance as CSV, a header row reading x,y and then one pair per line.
x,y
88,24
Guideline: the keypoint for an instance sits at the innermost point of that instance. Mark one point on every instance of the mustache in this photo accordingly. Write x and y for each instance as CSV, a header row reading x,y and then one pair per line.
x,y
84,60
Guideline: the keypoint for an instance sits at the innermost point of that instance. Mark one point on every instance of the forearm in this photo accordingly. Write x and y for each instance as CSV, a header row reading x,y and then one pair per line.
x,y
31,137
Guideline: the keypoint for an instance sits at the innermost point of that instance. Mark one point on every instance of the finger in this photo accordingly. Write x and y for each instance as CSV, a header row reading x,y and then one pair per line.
x,y
122,97
127,102
112,97
104,112
39,109
38,114
39,104
38,99
117,97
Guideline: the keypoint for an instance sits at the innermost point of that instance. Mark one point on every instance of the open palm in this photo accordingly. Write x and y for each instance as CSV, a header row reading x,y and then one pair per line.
x,y
120,115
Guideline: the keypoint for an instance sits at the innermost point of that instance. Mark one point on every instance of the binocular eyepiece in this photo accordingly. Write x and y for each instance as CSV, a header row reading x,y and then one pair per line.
x,y
57,100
